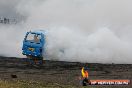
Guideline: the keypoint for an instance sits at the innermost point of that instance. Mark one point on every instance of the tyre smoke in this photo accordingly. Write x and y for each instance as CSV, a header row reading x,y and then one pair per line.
x,y
95,31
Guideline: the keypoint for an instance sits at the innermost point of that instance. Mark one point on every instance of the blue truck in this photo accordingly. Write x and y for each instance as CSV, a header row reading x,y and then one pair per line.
x,y
33,47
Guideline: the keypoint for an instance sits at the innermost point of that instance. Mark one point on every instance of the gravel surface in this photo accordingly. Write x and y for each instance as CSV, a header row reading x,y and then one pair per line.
x,y
60,72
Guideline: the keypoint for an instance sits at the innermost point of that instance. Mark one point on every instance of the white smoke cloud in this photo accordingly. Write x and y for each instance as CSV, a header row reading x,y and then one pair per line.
x,y
11,37
101,46
80,30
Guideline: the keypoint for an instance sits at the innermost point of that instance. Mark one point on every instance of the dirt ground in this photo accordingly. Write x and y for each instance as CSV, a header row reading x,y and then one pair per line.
x,y
66,73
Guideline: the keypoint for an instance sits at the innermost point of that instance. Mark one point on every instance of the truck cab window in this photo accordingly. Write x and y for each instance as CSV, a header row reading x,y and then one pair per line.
x,y
33,37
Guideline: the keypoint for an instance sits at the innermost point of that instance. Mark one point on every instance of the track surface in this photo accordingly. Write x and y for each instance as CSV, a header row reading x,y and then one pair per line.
x,y
61,72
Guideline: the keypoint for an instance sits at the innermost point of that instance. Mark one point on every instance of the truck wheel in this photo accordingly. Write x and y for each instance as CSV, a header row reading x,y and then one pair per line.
x,y
40,62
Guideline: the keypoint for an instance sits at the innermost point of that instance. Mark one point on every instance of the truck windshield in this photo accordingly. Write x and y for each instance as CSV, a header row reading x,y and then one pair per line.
x,y
33,37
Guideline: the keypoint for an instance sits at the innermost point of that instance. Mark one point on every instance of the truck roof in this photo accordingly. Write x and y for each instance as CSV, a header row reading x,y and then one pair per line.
x,y
39,32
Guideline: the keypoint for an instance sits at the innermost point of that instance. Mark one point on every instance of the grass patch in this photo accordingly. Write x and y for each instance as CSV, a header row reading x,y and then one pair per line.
x,y
30,84
33,84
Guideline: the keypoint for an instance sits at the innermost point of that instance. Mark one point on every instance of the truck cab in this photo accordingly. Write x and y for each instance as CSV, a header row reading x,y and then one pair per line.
x,y
33,44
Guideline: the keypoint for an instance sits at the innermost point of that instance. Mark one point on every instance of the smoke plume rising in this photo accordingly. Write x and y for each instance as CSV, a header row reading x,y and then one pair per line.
x,y
78,30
